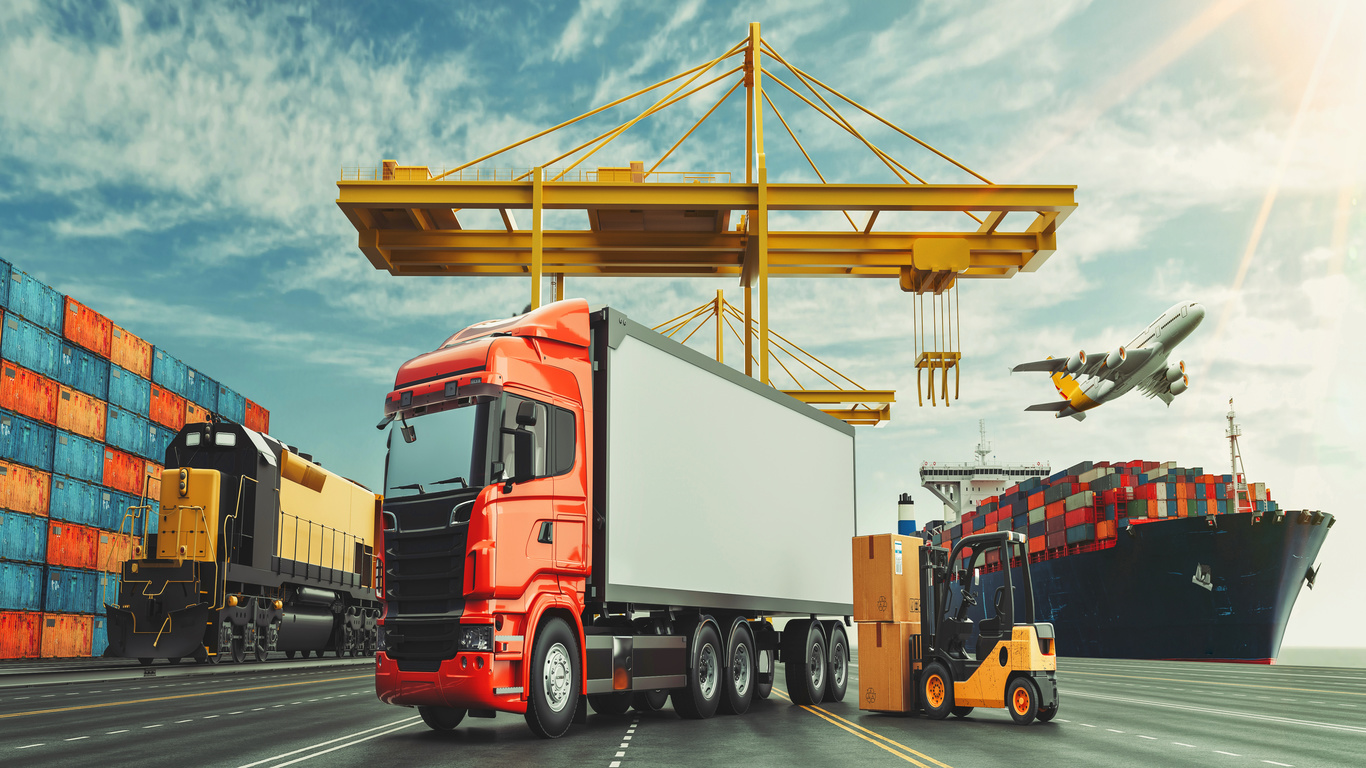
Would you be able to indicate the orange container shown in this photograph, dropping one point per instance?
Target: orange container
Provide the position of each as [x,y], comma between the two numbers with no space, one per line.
[258,418]
[168,408]
[31,394]
[1105,529]
[1035,500]
[66,635]
[87,327]
[1036,544]
[153,471]
[113,550]
[23,489]
[75,546]
[20,635]
[1055,509]
[130,353]
[194,414]
[80,413]
[123,471]
[1183,491]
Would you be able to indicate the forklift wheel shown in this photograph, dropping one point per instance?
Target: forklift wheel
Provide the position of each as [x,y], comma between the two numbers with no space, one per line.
[936,691]
[1048,713]
[1022,699]
[962,711]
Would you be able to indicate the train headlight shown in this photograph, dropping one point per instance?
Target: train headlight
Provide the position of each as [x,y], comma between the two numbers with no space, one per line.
[279,604]
[232,601]
[476,638]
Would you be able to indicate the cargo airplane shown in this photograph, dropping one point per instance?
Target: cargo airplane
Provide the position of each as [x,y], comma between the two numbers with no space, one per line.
[1085,381]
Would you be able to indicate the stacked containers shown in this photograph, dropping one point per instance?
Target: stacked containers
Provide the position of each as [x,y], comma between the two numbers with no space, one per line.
[83,432]
[887,609]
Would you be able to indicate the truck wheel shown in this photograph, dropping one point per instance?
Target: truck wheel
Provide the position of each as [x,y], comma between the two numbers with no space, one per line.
[804,661]
[936,691]
[837,677]
[441,718]
[650,701]
[1022,699]
[554,680]
[702,695]
[766,665]
[741,673]
[611,703]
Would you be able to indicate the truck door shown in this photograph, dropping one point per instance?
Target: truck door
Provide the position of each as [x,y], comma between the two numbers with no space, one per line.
[571,493]
[525,516]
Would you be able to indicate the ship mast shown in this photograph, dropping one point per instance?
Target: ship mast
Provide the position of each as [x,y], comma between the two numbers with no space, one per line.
[1235,456]
[983,447]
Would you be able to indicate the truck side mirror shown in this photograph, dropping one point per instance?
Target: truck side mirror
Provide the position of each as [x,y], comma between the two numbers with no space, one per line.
[526,414]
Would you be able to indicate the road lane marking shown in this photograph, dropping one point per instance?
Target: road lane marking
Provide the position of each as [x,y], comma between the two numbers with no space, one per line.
[621,754]
[1230,754]
[1149,738]
[158,725]
[1086,725]
[178,696]
[846,725]
[178,722]
[26,746]
[1284,765]
[1179,744]
[77,738]
[1112,730]
[1233,685]
[393,727]
[111,733]
[1226,712]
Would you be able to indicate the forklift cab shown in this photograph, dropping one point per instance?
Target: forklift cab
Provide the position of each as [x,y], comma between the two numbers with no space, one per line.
[1001,601]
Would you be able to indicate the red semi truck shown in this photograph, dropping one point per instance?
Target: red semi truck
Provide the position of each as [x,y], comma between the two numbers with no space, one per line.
[579,511]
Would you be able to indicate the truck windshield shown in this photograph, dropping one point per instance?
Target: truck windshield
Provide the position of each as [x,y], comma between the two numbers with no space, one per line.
[448,454]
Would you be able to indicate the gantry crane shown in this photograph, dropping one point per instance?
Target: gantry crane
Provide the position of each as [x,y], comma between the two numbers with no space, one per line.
[655,223]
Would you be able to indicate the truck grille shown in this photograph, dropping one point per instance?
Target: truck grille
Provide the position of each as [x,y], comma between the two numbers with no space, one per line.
[424,581]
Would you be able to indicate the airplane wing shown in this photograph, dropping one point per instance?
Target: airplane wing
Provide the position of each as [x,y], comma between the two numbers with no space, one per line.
[1051,365]
[1095,363]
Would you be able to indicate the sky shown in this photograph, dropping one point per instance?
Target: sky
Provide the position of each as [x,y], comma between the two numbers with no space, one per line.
[174,166]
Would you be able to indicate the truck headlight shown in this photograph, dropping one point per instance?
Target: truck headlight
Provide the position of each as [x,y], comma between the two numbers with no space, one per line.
[476,638]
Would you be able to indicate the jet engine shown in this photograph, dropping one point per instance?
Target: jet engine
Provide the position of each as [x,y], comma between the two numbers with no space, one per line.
[1175,371]
[1180,385]
[1075,362]
[1115,359]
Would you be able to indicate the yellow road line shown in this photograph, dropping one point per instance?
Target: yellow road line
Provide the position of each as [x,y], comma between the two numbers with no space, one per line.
[180,696]
[1210,682]
[839,722]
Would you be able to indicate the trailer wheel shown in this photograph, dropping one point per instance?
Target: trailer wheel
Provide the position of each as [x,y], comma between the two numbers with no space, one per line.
[650,701]
[615,704]
[441,718]
[700,698]
[1022,699]
[740,673]
[766,665]
[804,661]
[837,680]
[936,691]
[554,680]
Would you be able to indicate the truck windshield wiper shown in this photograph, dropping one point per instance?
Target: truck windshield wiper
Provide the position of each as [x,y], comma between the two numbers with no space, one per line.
[411,486]
[449,480]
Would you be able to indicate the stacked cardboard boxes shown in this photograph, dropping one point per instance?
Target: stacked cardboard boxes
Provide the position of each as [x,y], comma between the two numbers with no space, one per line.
[887,609]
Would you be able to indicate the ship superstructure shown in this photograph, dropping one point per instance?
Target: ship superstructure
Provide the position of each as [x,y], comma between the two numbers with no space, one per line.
[965,485]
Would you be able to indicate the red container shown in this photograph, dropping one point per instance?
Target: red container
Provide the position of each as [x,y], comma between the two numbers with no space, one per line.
[87,327]
[20,635]
[130,353]
[1036,544]
[153,481]
[1056,540]
[1054,525]
[31,394]
[168,408]
[1078,517]
[23,489]
[1036,500]
[123,471]
[80,413]
[113,550]
[66,635]
[258,418]
[194,414]
[1148,491]
[74,546]
[1056,509]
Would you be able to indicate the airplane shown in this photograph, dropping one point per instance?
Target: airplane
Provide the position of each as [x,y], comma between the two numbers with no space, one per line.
[1141,364]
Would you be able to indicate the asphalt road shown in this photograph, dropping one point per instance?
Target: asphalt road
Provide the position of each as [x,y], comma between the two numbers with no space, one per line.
[1114,713]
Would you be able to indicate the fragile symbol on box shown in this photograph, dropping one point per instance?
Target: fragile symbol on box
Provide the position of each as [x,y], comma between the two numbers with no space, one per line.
[870,696]
[882,604]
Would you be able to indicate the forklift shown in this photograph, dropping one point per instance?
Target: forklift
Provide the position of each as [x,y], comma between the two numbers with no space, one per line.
[1014,664]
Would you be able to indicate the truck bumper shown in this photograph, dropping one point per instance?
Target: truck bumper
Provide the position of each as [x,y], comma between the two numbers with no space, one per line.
[468,681]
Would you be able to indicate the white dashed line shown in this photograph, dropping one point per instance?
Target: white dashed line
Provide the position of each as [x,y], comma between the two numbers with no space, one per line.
[1063,721]
[628,738]
[158,725]
[209,717]
[27,746]
[111,733]
[614,764]
[77,738]
[1112,730]
[1086,725]
[238,712]
[1149,738]
[1230,754]
[621,754]
[257,709]
[1179,744]
[178,722]
[1284,765]
[624,745]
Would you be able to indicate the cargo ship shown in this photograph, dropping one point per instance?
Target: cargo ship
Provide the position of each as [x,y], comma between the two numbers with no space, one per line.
[1140,559]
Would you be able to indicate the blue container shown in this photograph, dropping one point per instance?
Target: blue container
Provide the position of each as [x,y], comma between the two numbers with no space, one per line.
[108,592]
[30,346]
[26,441]
[21,587]
[23,538]
[71,590]
[112,507]
[201,390]
[36,302]
[78,457]
[168,372]
[99,637]
[4,282]
[130,391]
[126,431]
[231,405]
[75,502]
[158,440]
[84,370]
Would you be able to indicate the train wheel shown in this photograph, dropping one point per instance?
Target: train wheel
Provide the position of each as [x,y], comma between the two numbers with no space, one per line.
[700,699]
[611,703]
[650,701]
[239,650]
[837,679]
[936,691]
[804,661]
[201,655]
[554,678]
[441,718]
[262,653]
[740,672]
[1022,699]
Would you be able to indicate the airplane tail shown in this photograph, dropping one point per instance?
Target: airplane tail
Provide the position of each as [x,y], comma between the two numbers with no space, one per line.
[1054,406]
[1079,416]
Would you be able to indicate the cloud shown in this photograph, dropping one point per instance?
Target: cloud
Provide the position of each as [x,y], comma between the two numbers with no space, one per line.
[591,24]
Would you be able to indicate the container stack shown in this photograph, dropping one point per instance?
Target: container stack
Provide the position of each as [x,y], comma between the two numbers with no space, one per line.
[887,609]
[87,411]
[1083,507]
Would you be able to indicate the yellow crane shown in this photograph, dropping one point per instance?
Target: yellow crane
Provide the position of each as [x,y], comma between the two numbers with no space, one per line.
[647,222]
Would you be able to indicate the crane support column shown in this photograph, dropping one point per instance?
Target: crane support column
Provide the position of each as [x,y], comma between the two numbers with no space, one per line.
[537,195]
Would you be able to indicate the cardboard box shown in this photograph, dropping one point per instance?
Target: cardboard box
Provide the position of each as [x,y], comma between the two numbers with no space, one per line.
[885,666]
[886,578]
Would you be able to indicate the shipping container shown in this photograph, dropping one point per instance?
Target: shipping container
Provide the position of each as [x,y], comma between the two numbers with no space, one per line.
[126,431]
[35,301]
[26,441]
[116,509]
[258,418]
[66,636]
[32,347]
[167,409]
[231,405]
[81,413]
[108,591]
[5,268]
[194,414]
[99,636]
[24,489]
[167,371]
[1056,540]
[76,501]
[20,631]
[71,545]
[201,390]
[87,327]
[84,370]
[123,471]
[1081,534]
[21,587]
[1079,500]
[114,550]
[129,391]
[130,353]
[28,393]
[78,457]
[158,440]
[71,590]
[23,538]
[153,482]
